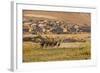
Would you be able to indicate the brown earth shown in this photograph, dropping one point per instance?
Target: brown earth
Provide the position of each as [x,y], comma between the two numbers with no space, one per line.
[73,17]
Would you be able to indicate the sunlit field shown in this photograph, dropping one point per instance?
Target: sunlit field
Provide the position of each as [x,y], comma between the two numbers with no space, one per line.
[33,52]
[56,36]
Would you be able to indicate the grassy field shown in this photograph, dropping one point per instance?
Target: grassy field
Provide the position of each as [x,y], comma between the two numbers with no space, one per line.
[32,52]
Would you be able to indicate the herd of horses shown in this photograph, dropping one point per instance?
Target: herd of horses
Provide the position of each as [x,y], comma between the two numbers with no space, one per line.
[48,42]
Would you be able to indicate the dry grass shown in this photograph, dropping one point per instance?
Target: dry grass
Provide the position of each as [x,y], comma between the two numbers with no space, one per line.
[33,52]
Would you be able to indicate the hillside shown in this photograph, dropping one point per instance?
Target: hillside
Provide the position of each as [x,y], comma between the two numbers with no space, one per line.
[73,17]
[56,22]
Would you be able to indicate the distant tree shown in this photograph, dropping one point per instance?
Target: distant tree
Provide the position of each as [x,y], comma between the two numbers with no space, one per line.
[57,29]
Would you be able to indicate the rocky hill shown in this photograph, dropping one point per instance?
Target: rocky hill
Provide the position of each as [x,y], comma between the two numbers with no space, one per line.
[56,22]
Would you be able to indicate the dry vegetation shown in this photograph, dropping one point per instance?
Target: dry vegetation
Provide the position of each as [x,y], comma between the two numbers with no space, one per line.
[32,52]
[56,36]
